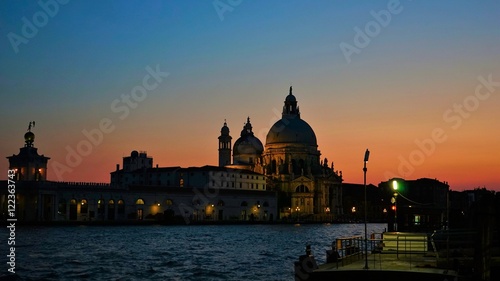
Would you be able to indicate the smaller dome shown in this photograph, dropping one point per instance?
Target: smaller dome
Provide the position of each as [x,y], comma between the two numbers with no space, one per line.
[248,144]
[134,154]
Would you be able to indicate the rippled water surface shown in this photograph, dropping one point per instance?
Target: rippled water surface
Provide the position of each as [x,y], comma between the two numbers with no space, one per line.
[215,252]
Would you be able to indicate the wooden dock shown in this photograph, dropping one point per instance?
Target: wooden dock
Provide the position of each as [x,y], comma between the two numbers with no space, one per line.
[396,256]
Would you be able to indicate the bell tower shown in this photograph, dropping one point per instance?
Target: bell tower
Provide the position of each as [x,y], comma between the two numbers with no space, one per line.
[28,165]
[224,146]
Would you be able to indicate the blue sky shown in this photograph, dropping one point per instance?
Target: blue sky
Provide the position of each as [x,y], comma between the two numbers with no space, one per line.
[239,63]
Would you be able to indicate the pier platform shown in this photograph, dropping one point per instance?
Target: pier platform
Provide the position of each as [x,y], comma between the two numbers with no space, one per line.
[392,256]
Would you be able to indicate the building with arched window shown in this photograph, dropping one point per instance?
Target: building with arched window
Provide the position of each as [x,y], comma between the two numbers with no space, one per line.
[136,192]
[291,162]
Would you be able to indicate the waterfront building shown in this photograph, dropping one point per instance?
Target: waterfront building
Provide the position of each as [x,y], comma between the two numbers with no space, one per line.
[416,205]
[138,192]
[28,165]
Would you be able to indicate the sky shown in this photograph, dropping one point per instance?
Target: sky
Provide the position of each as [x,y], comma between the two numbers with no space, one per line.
[415,82]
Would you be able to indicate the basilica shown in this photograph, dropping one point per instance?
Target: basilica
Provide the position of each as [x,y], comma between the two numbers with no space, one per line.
[291,162]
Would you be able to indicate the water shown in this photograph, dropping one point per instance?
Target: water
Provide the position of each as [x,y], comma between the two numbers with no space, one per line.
[216,252]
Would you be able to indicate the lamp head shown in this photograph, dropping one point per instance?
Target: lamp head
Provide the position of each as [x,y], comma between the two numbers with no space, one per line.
[367,155]
[395,185]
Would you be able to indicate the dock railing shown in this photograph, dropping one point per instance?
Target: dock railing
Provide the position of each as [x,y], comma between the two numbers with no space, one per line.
[405,243]
[410,247]
[346,250]
[407,246]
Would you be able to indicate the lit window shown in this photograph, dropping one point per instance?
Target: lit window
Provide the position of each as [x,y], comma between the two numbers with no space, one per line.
[139,202]
[100,206]
[417,219]
[85,206]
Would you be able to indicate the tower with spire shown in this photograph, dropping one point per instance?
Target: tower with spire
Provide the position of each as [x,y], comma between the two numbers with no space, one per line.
[224,146]
[28,165]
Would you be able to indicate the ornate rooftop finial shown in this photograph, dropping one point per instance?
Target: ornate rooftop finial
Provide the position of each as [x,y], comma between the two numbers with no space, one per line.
[32,124]
[290,90]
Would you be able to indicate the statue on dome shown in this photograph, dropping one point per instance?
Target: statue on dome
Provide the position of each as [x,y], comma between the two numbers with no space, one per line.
[32,124]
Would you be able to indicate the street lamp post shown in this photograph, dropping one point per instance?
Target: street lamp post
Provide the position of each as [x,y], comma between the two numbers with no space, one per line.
[367,155]
[394,200]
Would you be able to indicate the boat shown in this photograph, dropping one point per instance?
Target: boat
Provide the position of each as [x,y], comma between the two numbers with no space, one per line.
[441,255]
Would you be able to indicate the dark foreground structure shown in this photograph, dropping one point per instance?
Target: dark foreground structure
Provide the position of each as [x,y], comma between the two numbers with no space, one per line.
[468,253]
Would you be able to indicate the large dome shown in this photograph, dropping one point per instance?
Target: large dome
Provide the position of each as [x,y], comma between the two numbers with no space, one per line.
[291,130]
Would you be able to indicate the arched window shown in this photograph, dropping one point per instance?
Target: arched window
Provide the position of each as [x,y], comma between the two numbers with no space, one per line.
[85,206]
[73,209]
[302,188]
[121,207]
[100,206]
[139,202]
[273,166]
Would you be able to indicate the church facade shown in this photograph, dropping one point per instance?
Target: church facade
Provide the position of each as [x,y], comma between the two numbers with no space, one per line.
[306,186]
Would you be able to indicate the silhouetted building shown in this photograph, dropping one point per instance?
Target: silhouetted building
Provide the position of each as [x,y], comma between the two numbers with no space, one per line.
[353,203]
[290,159]
[137,192]
[416,205]
[28,165]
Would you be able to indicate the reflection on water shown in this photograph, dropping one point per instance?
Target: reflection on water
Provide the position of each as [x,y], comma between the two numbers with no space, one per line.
[217,252]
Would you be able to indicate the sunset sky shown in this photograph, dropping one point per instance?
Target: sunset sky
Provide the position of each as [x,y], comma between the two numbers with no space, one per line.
[415,82]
